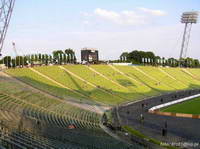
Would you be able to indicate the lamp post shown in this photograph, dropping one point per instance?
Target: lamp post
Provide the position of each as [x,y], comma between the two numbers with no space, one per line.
[188,18]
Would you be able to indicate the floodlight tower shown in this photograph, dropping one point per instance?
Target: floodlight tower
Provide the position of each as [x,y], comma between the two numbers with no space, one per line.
[188,18]
[6,8]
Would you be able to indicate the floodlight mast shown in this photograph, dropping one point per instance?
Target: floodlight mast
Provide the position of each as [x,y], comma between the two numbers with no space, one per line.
[188,18]
[6,9]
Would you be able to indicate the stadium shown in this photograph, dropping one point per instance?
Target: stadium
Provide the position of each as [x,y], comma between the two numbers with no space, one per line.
[55,102]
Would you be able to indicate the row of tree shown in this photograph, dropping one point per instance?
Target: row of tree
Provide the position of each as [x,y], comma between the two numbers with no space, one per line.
[58,57]
[149,58]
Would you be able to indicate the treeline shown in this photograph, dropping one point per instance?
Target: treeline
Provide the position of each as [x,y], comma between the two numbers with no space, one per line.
[58,57]
[149,58]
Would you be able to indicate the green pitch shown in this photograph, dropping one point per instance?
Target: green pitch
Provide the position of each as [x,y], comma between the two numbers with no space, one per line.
[188,107]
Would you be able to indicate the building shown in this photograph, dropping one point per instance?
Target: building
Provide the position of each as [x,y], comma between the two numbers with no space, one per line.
[89,55]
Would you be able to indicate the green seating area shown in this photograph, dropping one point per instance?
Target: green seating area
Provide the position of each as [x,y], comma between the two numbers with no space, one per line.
[63,117]
[133,88]
[16,101]
[183,77]
[19,99]
[53,87]
[84,72]
[143,79]
[195,73]
[25,139]
[161,76]
[22,140]
[88,90]
[42,83]
[104,84]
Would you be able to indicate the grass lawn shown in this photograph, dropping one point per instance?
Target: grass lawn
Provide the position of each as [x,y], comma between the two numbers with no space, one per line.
[188,107]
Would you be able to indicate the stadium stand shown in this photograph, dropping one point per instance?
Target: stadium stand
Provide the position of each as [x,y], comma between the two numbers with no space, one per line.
[53,123]
[36,121]
[95,88]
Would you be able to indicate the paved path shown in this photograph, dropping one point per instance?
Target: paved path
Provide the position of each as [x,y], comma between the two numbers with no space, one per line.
[179,129]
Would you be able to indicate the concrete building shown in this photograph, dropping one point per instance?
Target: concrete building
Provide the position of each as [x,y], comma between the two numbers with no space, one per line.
[89,55]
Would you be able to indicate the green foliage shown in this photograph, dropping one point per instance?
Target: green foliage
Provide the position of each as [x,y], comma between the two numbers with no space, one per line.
[140,135]
[136,56]
[142,57]
[123,56]
[71,55]
[7,61]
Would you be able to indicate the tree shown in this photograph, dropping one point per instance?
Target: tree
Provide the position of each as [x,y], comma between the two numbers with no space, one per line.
[19,61]
[56,56]
[70,55]
[32,59]
[40,57]
[7,61]
[123,57]
[36,58]
[13,61]
[46,59]
[50,59]
[25,61]
[136,57]
[1,61]
[43,59]
[196,63]
[65,58]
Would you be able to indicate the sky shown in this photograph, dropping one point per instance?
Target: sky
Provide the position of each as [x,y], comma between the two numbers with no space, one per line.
[111,26]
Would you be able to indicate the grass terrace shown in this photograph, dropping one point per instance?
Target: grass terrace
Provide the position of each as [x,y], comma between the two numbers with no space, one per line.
[90,91]
[155,87]
[160,76]
[135,90]
[41,83]
[105,84]
[194,73]
[183,77]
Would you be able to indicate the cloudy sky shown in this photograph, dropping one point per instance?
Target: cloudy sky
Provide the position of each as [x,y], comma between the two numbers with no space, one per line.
[111,26]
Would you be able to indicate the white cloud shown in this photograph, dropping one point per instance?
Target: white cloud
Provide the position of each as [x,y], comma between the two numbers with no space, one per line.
[122,18]
[140,16]
[110,15]
[153,12]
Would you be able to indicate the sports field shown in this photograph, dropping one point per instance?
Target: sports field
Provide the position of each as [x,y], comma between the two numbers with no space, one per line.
[188,107]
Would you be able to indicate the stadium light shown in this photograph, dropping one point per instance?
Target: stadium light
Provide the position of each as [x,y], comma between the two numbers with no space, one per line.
[188,18]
